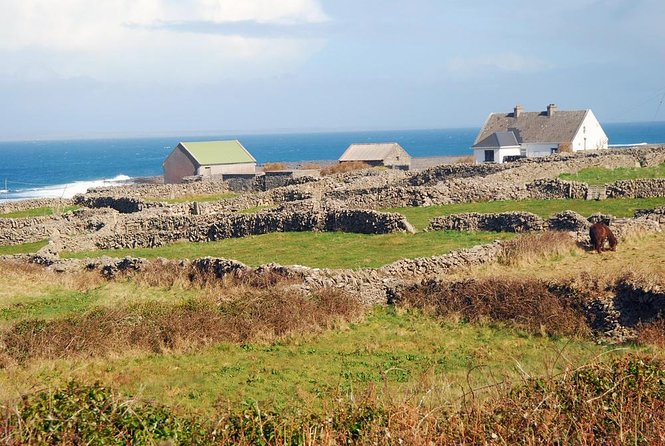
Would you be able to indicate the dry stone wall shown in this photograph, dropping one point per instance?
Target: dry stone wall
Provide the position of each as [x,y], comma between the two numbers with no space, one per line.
[21,205]
[642,188]
[135,231]
[500,222]
[162,191]
[466,190]
[26,230]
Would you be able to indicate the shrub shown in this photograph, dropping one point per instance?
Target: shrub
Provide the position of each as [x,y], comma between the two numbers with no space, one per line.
[240,315]
[527,304]
[344,167]
[275,166]
[468,159]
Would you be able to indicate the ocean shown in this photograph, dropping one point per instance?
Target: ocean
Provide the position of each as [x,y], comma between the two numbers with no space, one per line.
[62,168]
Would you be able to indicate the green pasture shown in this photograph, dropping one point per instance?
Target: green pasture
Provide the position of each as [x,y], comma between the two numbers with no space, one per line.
[315,249]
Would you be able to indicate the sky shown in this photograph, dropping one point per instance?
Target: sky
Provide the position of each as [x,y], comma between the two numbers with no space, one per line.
[91,68]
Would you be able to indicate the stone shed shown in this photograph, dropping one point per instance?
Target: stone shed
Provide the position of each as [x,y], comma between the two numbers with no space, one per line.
[208,159]
[390,155]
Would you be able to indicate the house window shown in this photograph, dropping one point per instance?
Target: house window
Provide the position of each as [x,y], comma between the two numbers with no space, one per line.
[554,150]
[489,156]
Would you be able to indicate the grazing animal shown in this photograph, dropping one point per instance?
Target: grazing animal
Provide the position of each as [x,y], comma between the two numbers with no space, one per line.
[599,233]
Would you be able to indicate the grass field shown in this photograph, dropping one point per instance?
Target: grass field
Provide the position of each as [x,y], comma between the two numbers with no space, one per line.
[395,357]
[598,175]
[37,212]
[23,248]
[400,351]
[619,207]
[315,249]
[189,198]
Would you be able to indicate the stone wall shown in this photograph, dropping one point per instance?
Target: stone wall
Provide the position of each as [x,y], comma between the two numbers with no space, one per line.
[642,188]
[162,191]
[500,222]
[444,172]
[148,231]
[124,205]
[28,230]
[14,231]
[466,190]
[526,221]
[281,178]
[22,205]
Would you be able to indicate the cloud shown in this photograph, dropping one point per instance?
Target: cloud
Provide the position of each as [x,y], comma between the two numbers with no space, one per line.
[127,40]
[504,62]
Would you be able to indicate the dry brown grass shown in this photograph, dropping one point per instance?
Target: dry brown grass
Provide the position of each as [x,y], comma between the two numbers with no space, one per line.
[275,166]
[241,315]
[526,304]
[311,166]
[469,159]
[23,278]
[536,246]
[344,167]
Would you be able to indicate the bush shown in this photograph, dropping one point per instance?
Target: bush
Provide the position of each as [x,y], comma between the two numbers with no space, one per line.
[274,166]
[528,304]
[347,166]
[242,315]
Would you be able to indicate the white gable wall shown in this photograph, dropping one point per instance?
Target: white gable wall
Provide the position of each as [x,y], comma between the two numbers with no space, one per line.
[499,153]
[590,135]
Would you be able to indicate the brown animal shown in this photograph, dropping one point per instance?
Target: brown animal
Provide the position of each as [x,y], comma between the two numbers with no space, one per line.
[599,233]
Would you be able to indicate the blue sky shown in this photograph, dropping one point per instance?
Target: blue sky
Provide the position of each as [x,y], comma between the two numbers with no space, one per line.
[147,67]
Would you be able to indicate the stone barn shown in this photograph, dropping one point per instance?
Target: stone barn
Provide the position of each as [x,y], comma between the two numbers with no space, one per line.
[208,159]
[390,155]
[520,134]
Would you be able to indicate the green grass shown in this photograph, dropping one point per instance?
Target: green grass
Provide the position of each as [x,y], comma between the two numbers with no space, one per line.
[190,198]
[23,248]
[315,249]
[619,207]
[37,212]
[599,175]
[44,301]
[255,209]
[401,352]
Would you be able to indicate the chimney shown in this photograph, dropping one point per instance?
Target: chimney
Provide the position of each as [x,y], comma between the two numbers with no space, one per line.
[517,111]
[551,109]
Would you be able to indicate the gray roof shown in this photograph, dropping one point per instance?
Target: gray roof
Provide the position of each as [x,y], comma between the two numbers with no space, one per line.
[499,139]
[535,127]
[370,152]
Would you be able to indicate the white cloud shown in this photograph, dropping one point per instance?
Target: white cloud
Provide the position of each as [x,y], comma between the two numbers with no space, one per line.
[113,39]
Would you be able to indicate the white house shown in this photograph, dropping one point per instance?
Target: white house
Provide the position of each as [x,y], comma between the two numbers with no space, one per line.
[209,159]
[507,136]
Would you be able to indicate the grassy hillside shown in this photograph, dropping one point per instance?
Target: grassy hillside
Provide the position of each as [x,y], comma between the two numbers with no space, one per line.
[316,249]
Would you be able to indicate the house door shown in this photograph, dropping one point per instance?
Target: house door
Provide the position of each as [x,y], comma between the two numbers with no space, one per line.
[489,156]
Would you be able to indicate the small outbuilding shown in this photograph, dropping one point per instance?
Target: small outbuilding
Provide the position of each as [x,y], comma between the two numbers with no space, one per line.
[520,134]
[390,155]
[208,159]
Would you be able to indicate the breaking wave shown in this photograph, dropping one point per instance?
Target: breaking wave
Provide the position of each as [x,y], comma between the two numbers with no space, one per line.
[67,190]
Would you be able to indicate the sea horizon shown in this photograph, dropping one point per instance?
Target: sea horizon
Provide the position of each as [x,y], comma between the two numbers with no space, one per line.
[54,168]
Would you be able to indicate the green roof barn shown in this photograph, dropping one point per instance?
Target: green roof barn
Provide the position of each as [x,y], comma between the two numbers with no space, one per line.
[208,159]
